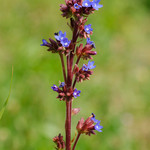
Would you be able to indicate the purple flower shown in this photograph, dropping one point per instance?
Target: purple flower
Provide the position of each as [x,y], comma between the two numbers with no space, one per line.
[60,36]
[44,42]
[65,42]
[62,84]
[86,3]
[54,88]
[88,28]
[95,4]
[90,65]
[76,6]
[76,93]
[90,42]
[97,127]
[85,67]
[95,120]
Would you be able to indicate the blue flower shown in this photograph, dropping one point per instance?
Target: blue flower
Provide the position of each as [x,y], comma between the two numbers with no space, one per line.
[60,36]
[62,84]
[90,65]
[88,28]
[95,120]
[54,88]
[76,93]
[90,42]
[76,6]
[85,67]
[95,4]
[44,42]
[65,42]
[97,126]
[86,3]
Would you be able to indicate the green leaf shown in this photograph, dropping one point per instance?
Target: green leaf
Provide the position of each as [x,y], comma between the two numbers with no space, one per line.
[6,101]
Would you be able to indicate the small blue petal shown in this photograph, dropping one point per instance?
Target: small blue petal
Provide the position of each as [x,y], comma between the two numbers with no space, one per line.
[95,4]
[76,6]
[88,28]
[44,42]
[62,84]
[60,36]
[76,93]
[54,88]
[85,67]
[65,42]
[90,42]
[95,120]
[86,3]
[98,127]
[91,65]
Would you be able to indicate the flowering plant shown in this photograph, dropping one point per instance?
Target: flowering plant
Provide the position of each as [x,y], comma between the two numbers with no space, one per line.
[77,11]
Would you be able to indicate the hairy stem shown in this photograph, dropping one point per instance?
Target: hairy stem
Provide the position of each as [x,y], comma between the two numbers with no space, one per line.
[75,143]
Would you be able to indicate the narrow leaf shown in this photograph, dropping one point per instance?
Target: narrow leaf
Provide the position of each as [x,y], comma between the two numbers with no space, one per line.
[6,101]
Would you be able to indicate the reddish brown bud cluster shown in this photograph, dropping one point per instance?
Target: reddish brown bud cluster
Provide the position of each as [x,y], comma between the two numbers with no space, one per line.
[69,9]
[65,94]
[80,23]
[56,47]
[58,140]
[85,52]
[53,46]
[82,33]
[86,126]
[82,75]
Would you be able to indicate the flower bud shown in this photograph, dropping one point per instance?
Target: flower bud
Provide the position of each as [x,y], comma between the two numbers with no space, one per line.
[75,111]
[58,140]
[79,49]
[76,69]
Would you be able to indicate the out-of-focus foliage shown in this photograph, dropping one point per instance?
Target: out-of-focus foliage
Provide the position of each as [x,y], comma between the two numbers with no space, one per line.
[118,92]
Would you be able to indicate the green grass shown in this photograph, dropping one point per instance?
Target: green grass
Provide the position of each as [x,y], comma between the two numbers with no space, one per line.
[118,92]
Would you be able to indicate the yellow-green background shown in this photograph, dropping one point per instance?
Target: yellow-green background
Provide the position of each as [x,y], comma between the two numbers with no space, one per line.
[118,92]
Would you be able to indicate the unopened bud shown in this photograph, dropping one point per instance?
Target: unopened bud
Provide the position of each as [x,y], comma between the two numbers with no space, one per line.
[75,111]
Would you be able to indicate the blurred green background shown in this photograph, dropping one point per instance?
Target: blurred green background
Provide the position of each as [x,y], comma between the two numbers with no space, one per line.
[118,92]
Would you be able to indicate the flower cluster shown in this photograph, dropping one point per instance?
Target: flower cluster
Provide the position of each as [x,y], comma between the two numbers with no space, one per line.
[79,7]
[94,4]
[61,45]
[64,93]
[62,39]
[85,72]
[88,126]
[86,51]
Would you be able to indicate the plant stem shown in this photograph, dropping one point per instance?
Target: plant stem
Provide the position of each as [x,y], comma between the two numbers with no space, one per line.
[75,143]
[63,66]
[74,83]
[70,58]
[68,125]
[75,80]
